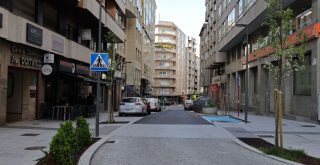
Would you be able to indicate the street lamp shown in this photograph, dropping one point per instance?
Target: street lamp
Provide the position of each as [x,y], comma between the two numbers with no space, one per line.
[247,72]
[125,81]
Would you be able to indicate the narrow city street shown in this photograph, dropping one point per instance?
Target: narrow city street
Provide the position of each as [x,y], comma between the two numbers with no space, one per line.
[175,137]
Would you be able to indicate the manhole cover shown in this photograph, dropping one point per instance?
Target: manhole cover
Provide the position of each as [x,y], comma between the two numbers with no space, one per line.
[308,126]
[36,148]
[266,136]
[30,134]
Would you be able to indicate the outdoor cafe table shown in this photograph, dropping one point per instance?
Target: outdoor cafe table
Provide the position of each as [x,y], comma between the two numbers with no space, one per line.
[61,108]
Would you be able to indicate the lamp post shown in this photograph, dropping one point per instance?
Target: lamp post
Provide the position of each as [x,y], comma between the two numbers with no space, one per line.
[125,81]
[247,72]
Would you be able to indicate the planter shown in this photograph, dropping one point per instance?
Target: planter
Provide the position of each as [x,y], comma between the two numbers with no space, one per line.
[210,110]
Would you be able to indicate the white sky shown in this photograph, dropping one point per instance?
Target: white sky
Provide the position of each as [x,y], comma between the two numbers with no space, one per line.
[188,15]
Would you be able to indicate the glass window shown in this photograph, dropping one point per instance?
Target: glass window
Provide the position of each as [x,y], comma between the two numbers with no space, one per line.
[231,18]
[240,8]
[219,11]
[302,79]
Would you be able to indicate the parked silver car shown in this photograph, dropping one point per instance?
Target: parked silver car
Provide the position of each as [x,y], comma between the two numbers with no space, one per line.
[132,105]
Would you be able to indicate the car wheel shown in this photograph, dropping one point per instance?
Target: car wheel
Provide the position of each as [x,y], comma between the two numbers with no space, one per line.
[120,114]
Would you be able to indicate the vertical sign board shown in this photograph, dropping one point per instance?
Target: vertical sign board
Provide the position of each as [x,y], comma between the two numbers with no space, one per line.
[34,35]
[99,62]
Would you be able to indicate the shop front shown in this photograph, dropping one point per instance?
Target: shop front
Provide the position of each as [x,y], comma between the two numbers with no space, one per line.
[23,82]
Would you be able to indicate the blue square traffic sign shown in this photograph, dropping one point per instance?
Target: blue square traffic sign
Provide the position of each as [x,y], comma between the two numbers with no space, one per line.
[99,62]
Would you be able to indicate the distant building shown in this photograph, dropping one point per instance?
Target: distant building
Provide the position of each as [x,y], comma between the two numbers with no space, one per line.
[170,57]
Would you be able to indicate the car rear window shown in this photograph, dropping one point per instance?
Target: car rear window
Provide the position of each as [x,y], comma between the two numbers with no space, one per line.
[129,100]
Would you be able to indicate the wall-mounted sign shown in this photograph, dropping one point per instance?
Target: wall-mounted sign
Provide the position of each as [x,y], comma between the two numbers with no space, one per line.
[46,69]
[48,58]
[57,43]
[0,20]
[34,35]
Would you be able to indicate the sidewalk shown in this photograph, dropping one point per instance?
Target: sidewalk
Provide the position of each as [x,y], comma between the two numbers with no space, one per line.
[296,135]
[16,137]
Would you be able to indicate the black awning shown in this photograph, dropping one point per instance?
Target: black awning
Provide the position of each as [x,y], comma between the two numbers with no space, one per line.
[90,80]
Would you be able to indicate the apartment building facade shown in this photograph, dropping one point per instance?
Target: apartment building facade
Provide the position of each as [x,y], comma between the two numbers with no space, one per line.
[45,50]
[300,91]
[192,67]
[140,46]
[170,57]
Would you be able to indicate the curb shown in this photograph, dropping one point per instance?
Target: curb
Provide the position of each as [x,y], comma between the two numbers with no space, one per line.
[86,157]
[248,147]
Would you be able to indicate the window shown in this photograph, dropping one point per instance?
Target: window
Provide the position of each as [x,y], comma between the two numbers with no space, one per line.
[255,80]
[302,79]
[240,8]
[231,18]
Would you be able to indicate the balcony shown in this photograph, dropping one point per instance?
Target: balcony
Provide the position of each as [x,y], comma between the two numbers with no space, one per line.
[172,59]
[165,67]
[157,85]
[165,50]
[164,76]
[171,33]
[312,31]
[166,41]
[107,19]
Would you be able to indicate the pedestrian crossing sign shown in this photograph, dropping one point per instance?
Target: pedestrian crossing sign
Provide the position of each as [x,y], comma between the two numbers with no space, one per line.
[99,62]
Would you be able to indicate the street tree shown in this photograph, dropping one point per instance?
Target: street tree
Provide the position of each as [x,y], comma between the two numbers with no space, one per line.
[287,53]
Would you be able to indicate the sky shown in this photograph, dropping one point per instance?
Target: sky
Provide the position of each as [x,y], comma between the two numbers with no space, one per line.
[188,15]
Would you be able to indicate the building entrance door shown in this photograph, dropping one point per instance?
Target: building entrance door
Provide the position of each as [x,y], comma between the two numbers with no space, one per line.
[21,95]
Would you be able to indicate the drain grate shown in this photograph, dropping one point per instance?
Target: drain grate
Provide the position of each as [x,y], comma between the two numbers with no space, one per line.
[30,134]
[308,126]
[36,148]
[266,136]
[110,141]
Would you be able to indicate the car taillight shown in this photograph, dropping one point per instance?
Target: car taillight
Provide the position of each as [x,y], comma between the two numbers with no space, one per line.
[122,103]
[138,103]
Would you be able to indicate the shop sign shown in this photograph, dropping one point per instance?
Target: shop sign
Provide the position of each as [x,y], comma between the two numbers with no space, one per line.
[0,20]
[83,70]
[46,69]
[66,66]
[57,43]
[26,61]
[24,57]
[34,35]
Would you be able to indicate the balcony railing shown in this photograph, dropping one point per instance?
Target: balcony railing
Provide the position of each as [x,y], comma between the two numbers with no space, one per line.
[312,31]
[166,67]
[165,59]
[164,76]
[165,50]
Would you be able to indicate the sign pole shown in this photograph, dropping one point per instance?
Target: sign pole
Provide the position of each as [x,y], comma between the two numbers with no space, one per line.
[99,76]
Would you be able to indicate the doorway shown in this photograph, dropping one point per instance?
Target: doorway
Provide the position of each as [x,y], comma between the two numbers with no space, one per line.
[21,95]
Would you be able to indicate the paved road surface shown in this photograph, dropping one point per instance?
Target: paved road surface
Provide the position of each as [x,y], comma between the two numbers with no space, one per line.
[175,137]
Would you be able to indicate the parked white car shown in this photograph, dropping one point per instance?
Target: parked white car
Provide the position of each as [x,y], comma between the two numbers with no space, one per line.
[132,105]
[154,104]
